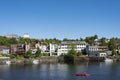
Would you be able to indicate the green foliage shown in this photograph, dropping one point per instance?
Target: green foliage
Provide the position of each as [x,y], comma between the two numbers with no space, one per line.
[114,52]
[12,56]
[4,41]
[81,39]
[13,41]
[69,58]
[72,54]
[45,54]
[38,53]
[72,50]
[29,54]
[112,44]
[103,42]
[90,40]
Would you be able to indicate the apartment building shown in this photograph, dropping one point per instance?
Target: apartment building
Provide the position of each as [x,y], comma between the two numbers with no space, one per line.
[96,51]
[64,47]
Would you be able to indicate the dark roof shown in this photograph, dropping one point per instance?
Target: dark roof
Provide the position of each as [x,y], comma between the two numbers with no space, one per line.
[72,42]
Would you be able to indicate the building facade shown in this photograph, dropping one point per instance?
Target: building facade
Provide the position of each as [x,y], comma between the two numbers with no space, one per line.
[64,47]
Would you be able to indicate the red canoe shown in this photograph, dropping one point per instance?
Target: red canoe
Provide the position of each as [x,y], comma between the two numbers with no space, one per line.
[84,75]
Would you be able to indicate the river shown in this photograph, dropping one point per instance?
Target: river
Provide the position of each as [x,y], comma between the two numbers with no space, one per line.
[60,71]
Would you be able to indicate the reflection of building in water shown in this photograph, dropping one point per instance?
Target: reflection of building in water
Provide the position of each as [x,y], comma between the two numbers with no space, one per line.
[104,64]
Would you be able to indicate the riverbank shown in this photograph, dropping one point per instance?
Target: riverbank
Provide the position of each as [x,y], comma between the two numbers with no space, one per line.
[50,60]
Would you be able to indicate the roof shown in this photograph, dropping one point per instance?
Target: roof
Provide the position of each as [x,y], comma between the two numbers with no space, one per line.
[72,42]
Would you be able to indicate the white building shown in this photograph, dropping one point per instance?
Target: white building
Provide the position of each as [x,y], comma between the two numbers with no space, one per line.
[26,35]
[65,46]
[42,47]
[53,49]
[12,36]
[93,51]
[102,55]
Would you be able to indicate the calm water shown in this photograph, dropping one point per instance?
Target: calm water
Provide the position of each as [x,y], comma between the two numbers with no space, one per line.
[98,71]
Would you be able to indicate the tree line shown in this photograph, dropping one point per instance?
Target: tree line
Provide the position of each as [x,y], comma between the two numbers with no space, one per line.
[112,43]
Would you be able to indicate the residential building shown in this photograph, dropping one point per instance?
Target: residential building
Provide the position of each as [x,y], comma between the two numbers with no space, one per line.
[13,49]
[4,50]
[64,47]
[97,42]
[103,48]
[96,51]
[92,51]
[20,50]
[17,49]
[26,35]
[102,55]
[42,46]
[12,36]
[53,49]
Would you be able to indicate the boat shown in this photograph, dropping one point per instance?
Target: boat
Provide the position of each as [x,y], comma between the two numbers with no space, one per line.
[8,62]
[108,60]
[35,61]
[83,75]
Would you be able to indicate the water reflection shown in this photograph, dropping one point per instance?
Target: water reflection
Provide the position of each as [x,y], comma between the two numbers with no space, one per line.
[57,71]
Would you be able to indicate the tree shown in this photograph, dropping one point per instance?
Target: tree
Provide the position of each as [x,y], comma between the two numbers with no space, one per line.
[112,44]
[29,54]
[65,39]
[81,39]
[90,40]
[103,42]
[72,50]
[95,36]
[13,41]
[38,53]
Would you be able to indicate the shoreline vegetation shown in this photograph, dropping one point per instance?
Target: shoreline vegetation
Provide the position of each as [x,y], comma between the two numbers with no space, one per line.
[49,59]
[29,50]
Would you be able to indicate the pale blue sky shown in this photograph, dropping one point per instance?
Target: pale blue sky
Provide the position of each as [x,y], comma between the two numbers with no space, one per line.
[60,18]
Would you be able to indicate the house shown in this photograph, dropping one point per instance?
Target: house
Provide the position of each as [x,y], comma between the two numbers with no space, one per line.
[20,50]
[92,51]
[42,46]
[26,35]
[64,47]
[4,50]
[102,48]
[17,49]
[97,42]
[53,49]
[12,36]
[33,49]
[102,55]
[96,51]
[13,49]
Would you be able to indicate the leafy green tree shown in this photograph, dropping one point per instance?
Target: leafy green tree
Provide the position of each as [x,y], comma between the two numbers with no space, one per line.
[95,36]
[13,41]
[38,53]
[112,44]
[65,39]
[29,54]
[90,40]
[81,39]
[103,42]
[72,50]
[4,41]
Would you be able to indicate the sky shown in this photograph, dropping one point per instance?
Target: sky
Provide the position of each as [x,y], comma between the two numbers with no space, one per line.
[60,18]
